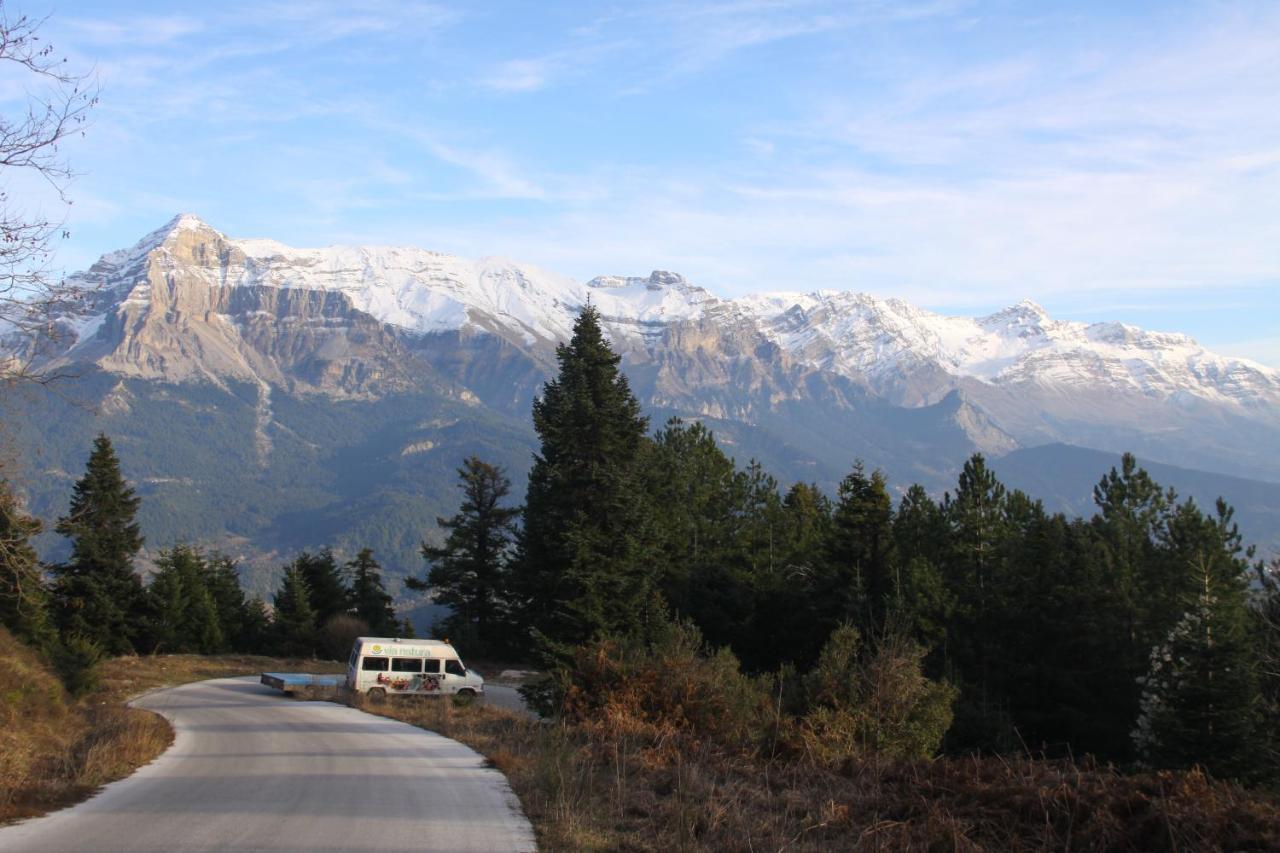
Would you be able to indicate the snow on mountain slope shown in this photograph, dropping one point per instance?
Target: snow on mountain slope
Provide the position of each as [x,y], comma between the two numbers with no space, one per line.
[885,343]
[859,335]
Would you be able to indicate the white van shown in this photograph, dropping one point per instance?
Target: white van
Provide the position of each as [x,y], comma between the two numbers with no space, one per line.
[386,666]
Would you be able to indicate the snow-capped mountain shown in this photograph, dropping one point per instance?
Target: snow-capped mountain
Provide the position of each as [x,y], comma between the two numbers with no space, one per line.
[187,302]
[264,390]
[882,342]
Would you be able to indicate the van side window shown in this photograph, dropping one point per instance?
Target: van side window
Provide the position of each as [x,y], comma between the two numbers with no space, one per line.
[374,664]
[431,666]
[454,667]
[406,665]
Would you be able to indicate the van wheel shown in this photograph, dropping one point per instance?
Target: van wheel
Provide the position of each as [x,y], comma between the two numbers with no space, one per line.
[464,697]
[377,695]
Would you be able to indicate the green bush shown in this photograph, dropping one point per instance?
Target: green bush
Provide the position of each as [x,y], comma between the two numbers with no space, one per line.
[876,700]
[76,660]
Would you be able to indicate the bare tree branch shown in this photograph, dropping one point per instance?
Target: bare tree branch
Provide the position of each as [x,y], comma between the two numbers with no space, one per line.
[30,294]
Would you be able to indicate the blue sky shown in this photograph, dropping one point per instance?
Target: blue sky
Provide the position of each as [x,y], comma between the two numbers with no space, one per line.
[1108,160]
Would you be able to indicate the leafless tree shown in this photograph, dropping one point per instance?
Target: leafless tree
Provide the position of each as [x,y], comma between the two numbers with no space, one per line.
[58,103]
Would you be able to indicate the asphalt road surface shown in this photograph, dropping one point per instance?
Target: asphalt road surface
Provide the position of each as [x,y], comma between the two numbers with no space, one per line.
[252,770]
[506,698]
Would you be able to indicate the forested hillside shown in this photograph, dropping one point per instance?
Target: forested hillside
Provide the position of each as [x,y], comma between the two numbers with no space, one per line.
[1045,625]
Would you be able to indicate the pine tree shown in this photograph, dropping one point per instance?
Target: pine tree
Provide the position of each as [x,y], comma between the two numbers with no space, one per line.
[1133,595]
[24,600]
[369,600]
[1143,589]
[240,620]
[166,610]
[920,527]
[1200,697]
[256,631]
[978,525]
[97,596]
[1266,633]
[692,491]
[294,623]
[861,559]
[581,569]
[326,584]
[185,615]
[718,534]
[469,572]
[807,526]
[978,528]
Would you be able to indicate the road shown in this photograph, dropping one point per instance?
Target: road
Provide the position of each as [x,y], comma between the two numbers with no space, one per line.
[506,698]
[252,770]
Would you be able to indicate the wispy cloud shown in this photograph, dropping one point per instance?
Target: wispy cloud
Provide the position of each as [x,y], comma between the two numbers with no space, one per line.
[519,75]
[960,153]
[144,30]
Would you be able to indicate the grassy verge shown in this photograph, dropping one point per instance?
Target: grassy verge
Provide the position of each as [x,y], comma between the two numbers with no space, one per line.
[55,752]
[615,787]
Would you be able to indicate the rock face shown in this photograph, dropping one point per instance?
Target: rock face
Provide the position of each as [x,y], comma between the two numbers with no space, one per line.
[175,309]
[320,368]
[188,303]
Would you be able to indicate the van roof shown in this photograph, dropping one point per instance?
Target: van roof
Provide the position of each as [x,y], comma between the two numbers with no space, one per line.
[391,641]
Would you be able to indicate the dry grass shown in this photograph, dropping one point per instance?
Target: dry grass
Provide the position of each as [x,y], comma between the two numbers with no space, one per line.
[600,788]
[55,752]
[607,786]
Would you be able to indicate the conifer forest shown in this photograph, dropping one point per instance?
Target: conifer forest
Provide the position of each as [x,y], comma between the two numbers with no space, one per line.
[1147,634]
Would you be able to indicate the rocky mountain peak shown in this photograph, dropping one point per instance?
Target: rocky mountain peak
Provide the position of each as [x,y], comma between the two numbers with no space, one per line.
[188,302]
[664,278]
[1026,316]
[183,228]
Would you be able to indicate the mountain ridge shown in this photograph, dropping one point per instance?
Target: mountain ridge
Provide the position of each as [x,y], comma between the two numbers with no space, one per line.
[268,398]
[791,318]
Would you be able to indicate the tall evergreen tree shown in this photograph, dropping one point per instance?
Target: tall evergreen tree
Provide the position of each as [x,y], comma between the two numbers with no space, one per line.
[470,572]
[691,487]
[370,602]
[1145,593]
[582,569]
[923,603]
[861,553]
[1132,596]
[96,594]
[24,600]
[1200,698]
[979,527]
[185,616]
[1266,638]
[788,597]
[807,525]
[326,584]
[242,621]
[294,622]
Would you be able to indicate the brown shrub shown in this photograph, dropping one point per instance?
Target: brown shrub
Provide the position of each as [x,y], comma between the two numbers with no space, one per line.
[873,703]
[670,689]
[596,785]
